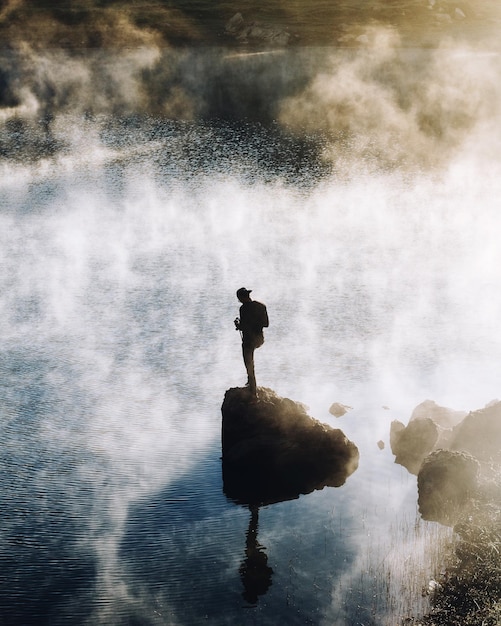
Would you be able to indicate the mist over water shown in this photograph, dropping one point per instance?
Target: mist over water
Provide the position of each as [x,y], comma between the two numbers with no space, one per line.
[354,192]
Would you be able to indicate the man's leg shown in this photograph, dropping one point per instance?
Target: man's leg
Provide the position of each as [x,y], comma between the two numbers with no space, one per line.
[248,353]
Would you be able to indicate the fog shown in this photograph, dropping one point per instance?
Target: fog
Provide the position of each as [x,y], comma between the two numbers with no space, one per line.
[355,191]
[380,104]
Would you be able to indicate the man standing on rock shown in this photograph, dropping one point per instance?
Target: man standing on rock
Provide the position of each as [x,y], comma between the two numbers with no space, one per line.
[253,318]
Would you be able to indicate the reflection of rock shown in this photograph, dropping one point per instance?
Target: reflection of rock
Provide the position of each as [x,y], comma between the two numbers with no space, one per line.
[256,32]
[430,427]
[446,481]
[273,450]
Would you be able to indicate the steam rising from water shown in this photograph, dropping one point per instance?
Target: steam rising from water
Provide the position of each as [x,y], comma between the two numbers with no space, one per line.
[122,243]
[401,106]
[384,104]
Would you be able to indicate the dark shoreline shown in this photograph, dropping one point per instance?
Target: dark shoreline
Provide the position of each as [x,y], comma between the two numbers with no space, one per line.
[94,24]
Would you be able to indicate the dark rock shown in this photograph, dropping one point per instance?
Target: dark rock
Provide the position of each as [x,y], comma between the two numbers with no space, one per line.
[273,450]
[480,434]
[446,482]
[412,443]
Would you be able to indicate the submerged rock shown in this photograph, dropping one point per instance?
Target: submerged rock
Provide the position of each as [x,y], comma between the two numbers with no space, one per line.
[273,450]
[446,482]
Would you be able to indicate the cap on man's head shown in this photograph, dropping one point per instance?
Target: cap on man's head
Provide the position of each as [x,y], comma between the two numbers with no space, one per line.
[243,292]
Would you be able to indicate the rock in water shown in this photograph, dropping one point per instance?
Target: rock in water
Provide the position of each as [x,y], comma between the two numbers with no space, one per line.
[441,415]
[235,24]
[338,410]
[429,428]
[410,444]
[480,434]
[446,482]
[273,450]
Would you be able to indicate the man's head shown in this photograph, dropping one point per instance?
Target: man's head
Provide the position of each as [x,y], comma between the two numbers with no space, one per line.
[243,294]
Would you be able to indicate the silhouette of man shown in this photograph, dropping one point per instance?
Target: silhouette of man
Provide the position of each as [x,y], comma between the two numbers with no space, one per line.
[253,318]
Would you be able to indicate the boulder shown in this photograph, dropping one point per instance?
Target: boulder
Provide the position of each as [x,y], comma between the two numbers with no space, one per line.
[235,24]
[480,434]
[430,427]
[412,443]
[446,482]
[338,410]
[441,415]
[273,450]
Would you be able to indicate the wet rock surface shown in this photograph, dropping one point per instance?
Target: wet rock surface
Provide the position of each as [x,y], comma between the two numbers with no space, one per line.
[273,450]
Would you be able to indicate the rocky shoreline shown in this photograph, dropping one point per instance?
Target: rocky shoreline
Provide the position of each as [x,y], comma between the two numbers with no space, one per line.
[457,459]
[78,25]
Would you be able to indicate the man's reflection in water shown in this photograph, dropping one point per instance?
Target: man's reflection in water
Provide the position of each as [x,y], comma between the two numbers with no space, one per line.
[254,570]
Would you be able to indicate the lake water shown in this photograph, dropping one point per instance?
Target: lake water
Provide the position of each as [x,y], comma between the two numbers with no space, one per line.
[374,243]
